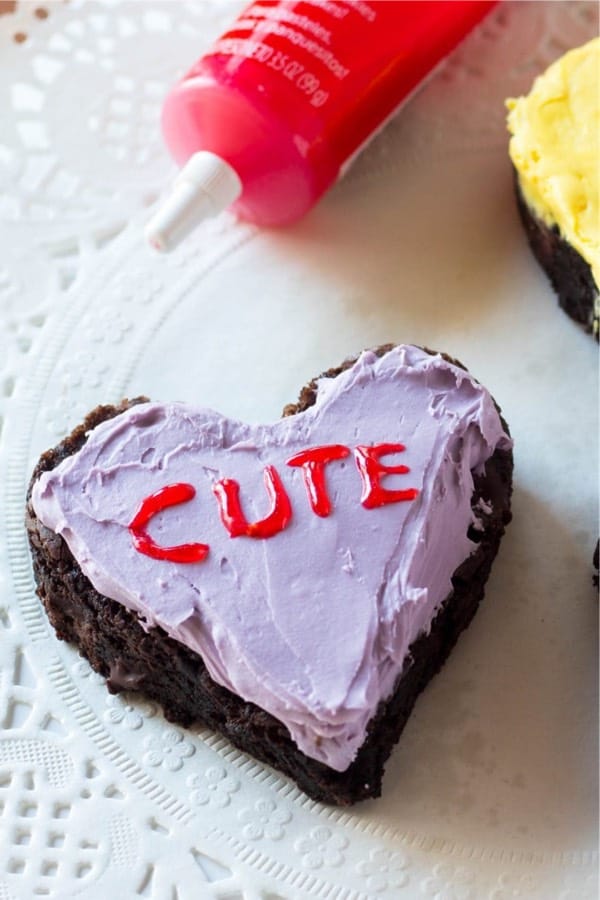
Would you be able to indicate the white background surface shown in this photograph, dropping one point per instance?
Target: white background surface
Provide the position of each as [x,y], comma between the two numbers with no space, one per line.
[492,790]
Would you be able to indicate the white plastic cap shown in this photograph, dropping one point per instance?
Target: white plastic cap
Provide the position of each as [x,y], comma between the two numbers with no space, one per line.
[204,187]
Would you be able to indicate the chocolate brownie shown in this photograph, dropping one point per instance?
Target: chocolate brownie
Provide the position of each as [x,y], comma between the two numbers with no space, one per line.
[134,658]
[570,275]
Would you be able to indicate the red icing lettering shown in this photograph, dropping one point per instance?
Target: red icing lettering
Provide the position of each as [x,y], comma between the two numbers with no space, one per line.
[171,495]
[313,462]
[372,471]
[227,492]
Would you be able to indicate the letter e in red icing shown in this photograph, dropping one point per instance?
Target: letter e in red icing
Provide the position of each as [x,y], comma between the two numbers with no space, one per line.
[372,471]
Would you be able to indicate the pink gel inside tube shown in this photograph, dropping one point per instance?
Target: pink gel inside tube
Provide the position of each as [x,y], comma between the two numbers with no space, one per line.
[278,107]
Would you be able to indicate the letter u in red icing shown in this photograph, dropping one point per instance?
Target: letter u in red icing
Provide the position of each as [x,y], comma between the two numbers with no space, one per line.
[170,495]
[372,471]
[227,492]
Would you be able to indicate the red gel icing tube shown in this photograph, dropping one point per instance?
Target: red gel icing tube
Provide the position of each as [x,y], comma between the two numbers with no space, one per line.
[278,107]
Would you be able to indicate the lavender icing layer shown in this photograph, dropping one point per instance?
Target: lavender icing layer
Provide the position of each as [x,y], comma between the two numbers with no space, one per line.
[313,624]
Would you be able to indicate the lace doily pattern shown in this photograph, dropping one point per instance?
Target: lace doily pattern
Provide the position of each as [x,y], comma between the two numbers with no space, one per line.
[98,794]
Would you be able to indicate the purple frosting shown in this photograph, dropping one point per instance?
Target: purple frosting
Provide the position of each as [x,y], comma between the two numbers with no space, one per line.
[313,624]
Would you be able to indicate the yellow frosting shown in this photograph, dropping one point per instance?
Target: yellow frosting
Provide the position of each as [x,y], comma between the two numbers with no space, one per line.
[554,147]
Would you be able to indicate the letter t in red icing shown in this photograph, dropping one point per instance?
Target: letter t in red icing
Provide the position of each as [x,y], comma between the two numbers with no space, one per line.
[313,462]
[372,471]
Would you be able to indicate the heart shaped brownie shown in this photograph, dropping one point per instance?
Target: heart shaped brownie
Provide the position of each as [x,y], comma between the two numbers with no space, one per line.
[300,561]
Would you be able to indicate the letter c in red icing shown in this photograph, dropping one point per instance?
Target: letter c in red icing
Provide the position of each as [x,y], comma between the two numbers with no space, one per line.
[170,495]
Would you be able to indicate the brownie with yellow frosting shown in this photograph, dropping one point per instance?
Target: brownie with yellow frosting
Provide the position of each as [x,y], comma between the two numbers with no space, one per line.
[554,148]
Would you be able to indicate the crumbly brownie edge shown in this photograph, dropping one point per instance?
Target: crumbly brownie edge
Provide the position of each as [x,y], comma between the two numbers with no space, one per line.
[569,273]
[161,669]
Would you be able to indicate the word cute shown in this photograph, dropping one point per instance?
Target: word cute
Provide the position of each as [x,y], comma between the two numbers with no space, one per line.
[313,463]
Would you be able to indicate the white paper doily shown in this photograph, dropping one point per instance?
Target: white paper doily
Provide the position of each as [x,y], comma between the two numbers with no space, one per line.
[492,791]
